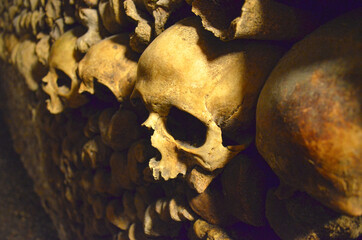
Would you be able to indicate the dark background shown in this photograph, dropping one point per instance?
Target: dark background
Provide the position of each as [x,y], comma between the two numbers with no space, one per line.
[21,214]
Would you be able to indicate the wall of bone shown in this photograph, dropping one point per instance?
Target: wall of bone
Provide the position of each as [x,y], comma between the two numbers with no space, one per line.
[188,119]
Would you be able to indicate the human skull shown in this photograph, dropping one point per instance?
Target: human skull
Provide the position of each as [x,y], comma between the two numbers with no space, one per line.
[61,83]
[112,63]
[309,118]
[26,61]
[199,92]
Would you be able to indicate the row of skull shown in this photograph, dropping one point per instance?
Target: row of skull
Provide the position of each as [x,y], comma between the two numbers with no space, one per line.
[213,100]
[201,96]
[146,19]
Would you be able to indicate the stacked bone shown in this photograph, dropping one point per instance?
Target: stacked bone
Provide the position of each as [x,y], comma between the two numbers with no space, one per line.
[198,174]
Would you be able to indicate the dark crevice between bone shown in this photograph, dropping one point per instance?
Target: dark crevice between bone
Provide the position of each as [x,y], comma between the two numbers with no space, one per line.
[156,154]
[186,128]
[232,137]
[138,106]
[103,93]
[152,151]
[227,141]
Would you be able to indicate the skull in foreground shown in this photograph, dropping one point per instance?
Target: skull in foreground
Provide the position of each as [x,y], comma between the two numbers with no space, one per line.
[309,119]
[201,95]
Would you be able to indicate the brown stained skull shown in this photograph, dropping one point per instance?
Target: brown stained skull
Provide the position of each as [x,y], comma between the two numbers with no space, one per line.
[61,83]
[199,92]
[309,118]
[111,63]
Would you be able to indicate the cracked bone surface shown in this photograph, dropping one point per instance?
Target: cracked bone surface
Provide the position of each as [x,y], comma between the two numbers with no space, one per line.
[309,116]
[61,83]
[89,18]
[161,11]
[111,63]
[142,35]
[254,19]
[151,19]
[200,91]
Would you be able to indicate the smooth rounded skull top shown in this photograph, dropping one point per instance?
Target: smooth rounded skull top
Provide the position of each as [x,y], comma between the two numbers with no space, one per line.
[309,116]
[201,95]
[61,83]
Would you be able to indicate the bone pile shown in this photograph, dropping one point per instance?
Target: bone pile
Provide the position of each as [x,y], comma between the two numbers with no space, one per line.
[195,119]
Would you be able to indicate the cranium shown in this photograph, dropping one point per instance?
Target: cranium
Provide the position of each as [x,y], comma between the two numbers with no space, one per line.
[309,118]
[112,63]
[200,92]
[27,62]
[61,83]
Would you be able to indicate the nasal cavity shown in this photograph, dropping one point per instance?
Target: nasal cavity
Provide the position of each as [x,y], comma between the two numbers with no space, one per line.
[186,128]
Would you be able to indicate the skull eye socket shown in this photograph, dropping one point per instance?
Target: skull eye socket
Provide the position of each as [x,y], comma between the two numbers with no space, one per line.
[186,128]
[63,79]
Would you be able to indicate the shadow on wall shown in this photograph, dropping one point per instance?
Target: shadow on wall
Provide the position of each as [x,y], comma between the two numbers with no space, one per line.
[21,214]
